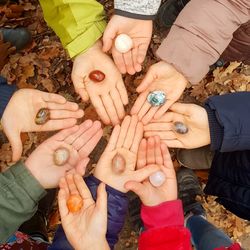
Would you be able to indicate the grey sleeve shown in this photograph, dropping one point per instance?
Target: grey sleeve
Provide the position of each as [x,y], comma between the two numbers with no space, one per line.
[138,9]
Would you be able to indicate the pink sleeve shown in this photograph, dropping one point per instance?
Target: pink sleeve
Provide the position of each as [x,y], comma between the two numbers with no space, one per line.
[201,33]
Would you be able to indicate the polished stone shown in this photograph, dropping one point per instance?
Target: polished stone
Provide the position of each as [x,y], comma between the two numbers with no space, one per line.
[156,98]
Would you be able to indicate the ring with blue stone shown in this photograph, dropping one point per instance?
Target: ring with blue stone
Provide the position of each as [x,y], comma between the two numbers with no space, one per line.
[156,98]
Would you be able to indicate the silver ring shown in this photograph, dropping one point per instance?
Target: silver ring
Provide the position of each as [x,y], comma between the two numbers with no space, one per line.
[156,98]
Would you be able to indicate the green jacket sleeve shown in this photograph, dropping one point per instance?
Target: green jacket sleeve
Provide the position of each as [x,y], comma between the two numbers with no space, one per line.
[19,196]
[78,23]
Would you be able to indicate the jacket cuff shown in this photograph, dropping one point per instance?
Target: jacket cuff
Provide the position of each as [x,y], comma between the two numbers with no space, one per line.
[27,181]
[166,214]
[90,36]
[216,130]
[142,9]
[6,92]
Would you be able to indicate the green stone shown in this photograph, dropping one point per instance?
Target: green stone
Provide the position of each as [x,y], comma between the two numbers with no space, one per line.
[156,98]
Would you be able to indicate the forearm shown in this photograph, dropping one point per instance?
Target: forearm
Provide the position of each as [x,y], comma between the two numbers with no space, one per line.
[138,9]
[79,24]
[196,41]
[6,92]
[19,195]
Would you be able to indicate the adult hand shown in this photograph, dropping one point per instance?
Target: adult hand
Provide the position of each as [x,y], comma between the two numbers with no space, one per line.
[152,151]
[79,140]
[161,76]
[140,31]
[125,141]
[87,228]
[193,116]
[19,115]
[108,96]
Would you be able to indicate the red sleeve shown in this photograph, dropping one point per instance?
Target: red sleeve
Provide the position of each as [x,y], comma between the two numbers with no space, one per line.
[235,246]
[164,227]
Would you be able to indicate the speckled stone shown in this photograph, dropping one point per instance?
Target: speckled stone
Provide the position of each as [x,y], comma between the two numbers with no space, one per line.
[156,98]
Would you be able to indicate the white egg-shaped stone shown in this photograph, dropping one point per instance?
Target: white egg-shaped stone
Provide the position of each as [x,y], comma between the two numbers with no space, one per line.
[61,156]
[157,178]
[123,43]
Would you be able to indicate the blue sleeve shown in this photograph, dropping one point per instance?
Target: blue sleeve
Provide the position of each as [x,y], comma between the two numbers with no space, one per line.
[229,121]
[6,92]
[117,210]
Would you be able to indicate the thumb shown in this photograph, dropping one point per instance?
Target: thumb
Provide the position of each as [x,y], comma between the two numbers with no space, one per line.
[182,108]
[143,173]
[16,145]
[81,166]
[148,79]
[136,187]
[101,201]
[84,94]
[108,37]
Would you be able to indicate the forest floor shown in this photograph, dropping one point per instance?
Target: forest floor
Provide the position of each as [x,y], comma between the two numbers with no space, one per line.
[46,66]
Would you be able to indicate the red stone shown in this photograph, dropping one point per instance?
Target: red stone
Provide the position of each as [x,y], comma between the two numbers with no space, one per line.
[96,76]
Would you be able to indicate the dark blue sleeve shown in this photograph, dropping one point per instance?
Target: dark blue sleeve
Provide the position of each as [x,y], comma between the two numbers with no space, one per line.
[229,121]
[6,92]
[117,209]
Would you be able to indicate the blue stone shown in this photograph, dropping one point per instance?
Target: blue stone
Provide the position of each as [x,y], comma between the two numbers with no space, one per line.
[156,98]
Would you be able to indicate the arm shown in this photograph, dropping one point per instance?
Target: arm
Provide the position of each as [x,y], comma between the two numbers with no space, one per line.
[229,122]
[19,195]
[196,41]
[161,220]
[79,24]
[6,92]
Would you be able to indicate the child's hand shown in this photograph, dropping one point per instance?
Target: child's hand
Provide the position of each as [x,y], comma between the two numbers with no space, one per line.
[19,115]
[152,151]
[125,140]
[79,140]
[160,76]
[85,229]
[140,31]
[109,96]
[193,116]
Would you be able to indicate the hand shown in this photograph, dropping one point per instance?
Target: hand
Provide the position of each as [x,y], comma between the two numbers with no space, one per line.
[152,151]
[19,115]
[161,76]
[87,228]
[109,96]
[79,140]
[193,116]
[124,140]
[140,31]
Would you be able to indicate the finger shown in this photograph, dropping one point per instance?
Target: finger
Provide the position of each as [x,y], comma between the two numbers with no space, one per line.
[142,154]
[158,126]
[64,185]
[48,97]
[167,117]
[62,203]
[63,134]
[151,151]
[81,166]
[112,144]
[97,103]
[81,129]
[66,106]
[142,51]
[119,61]
[136,187]
[83,93]
[167,161]
[137,138]
[174,143]
[63,114]
[71,184]
[52,125]
[129,138]
[145,108]
[102,200]
[16,145]
[122,91]
[182,108]
[149,115]
[110,108]
[148,79]
[137,65]
[91,144]
[158,151]
[143,173]
[116,98]
[139,103]
[83,190]
[108,38]
[162,110]
[123,132]
[164,135]
[86,135]
[129,62]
